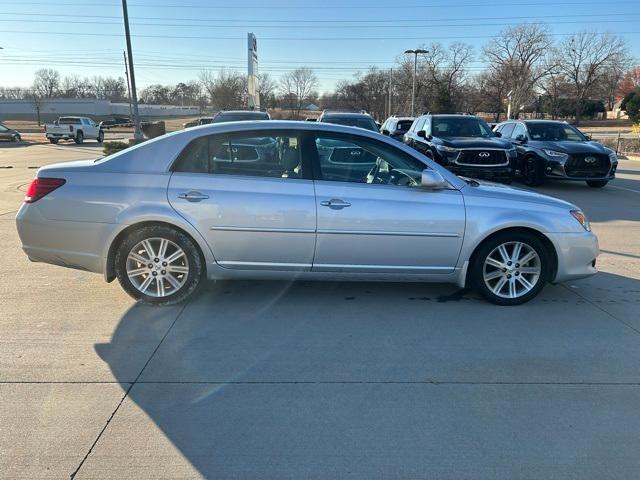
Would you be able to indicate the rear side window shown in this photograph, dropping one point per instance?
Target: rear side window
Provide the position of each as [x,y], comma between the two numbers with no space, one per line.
[263,154]
[404,125]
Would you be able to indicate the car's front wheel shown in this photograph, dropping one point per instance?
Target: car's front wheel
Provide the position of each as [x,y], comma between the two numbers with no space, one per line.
[510,268]
[79,138]
[597,183]
[159,265]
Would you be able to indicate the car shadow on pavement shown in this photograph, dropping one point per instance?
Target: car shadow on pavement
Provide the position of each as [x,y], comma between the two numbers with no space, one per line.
[305,379]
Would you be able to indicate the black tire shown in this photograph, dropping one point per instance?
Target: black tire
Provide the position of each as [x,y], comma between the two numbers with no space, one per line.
[79,138]
[54,141]
[597,183]
[192,252]
[476,277]
[531,172]
[17,138]
[100,136]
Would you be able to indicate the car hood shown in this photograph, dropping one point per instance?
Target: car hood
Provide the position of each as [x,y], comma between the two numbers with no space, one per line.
[499,191]
[572,147]
[476,142]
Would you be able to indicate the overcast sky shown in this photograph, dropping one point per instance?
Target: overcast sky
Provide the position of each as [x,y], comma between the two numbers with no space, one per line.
[175,39]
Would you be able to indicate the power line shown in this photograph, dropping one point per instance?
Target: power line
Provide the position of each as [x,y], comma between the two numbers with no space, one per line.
[388,25]
[263,38]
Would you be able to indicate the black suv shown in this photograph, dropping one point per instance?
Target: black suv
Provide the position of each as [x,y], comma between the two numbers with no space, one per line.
[463,144]
[551,149]
[350,119]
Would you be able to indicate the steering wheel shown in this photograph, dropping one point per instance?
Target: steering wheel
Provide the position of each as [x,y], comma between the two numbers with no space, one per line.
[402,179]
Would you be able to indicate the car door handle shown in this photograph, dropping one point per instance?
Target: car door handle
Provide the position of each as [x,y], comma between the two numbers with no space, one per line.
[335,204]
[193,196]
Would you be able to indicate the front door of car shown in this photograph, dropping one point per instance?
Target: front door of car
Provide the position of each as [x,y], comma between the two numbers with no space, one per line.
[248,195]
[383,222]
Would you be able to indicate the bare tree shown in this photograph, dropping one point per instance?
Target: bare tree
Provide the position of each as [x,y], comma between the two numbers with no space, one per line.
[446,74]
[520,56]
[266,89]
[584,58]
[227,90]
[46,83]
[297,86]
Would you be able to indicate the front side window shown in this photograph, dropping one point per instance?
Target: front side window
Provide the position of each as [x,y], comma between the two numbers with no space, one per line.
[519,130]
[349,158]
[264,154]
[507,130]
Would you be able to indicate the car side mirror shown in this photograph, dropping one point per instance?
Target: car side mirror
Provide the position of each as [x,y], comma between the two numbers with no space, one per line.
[432,180]
[521,138]
[385,132]
[498,134]
[588,137]
[422,134]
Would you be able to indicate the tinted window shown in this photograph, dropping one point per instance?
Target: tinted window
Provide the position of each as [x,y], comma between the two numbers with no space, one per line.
[460,127]
[270,154]
[554,132]
[3,128]
[69,121]
[350,158]
[404,125]
[352,121]
[507,129]
[240,116]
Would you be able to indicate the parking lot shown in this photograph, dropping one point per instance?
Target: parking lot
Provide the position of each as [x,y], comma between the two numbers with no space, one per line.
[320,380]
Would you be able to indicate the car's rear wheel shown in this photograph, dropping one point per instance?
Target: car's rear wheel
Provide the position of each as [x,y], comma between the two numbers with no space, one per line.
[54,141]
[79,138]
[159,265]
[100,136]
[16,138]
[597,183]
[531,172]
[510,268]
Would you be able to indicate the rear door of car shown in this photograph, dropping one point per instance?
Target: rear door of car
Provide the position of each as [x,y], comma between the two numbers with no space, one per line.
[251,196]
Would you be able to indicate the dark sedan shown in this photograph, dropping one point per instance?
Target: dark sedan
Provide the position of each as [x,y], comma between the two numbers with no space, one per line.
[9,134]
[556,150]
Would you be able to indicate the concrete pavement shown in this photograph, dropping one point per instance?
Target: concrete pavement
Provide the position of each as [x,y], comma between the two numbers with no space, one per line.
[321,380]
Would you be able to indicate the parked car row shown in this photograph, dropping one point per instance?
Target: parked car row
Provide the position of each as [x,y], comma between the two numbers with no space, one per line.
[535,150]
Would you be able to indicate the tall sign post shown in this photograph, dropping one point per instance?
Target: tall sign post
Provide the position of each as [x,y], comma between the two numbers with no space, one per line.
[253,99]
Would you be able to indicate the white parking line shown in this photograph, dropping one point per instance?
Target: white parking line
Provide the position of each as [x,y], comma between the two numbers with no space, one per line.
[623,188]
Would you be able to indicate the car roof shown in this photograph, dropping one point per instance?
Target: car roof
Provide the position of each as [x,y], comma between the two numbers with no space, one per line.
[256,112]
[450,115]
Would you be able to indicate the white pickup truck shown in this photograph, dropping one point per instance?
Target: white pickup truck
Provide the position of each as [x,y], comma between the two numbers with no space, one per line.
[77,129]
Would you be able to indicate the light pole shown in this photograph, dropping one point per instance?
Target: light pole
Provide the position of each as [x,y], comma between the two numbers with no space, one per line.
[134,96]
[415,53]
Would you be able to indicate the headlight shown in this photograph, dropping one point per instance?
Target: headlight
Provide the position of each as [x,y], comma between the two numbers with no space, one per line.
[582,219]
[444,148]
[513,153]
[613,157]
[556,155]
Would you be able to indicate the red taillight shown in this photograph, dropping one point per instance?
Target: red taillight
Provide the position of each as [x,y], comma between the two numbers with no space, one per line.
[39,187]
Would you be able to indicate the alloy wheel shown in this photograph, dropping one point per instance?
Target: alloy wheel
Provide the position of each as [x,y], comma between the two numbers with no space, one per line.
[157,267]
[512,269]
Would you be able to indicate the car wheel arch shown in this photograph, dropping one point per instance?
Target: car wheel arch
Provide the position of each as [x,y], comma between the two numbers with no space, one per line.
[110,271]
[532,231]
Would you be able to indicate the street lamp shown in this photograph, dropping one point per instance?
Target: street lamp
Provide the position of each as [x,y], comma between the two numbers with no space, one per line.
[415,52]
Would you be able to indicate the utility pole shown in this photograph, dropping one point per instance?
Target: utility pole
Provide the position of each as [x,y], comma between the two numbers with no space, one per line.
[126,74]
[134,97]
[390,79]
[415,72]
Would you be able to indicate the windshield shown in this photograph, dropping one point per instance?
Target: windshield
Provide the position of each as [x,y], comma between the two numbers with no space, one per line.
[555,132]
[460,127]
[352,121]
[3,128]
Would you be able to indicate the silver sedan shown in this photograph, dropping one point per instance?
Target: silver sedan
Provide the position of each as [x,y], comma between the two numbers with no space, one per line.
[284,200]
